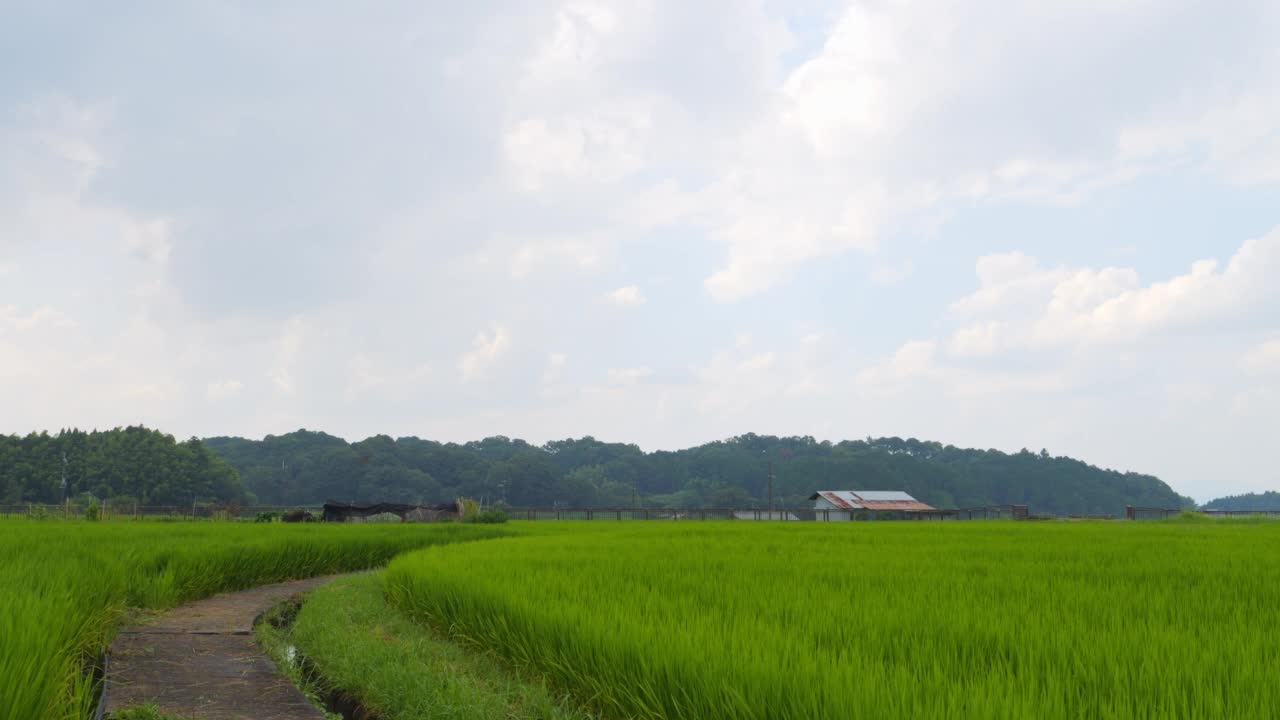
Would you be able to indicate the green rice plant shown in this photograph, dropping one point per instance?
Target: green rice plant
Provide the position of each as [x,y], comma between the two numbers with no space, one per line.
[65,585]
[881,620]
[399,670]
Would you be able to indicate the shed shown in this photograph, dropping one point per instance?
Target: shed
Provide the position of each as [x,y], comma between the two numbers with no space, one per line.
[840,504]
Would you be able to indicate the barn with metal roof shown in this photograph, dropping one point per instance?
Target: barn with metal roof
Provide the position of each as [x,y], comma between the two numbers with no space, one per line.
[841,504]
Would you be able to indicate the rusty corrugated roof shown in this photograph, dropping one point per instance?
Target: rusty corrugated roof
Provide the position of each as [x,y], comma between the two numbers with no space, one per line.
[895,505]
[871,500]
[843,499]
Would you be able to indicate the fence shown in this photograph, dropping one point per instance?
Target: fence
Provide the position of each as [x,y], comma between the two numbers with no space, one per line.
[130,511]
[133,511]
[1146,513]
[988,512]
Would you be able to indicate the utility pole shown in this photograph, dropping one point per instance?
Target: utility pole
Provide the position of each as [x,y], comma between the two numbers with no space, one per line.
[770,489]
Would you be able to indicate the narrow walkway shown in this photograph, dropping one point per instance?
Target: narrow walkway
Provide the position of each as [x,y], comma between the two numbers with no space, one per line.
[200,661]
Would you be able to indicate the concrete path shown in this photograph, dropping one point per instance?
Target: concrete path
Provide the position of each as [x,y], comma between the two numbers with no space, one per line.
[200,661]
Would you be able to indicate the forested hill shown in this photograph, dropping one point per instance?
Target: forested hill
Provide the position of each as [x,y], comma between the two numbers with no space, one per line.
[310,467]
[1269,500]
[126,465]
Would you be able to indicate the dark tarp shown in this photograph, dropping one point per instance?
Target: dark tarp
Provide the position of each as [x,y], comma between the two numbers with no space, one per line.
[340,512]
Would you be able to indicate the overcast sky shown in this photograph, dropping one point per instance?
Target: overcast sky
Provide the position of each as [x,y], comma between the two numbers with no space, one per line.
[993,224]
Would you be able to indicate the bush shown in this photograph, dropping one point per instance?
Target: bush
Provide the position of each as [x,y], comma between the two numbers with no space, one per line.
[294,516]
[467,509]
[266,517]
[491,517]
[93,512]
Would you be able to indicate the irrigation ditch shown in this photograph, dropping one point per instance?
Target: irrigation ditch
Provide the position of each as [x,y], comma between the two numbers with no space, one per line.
[300,669]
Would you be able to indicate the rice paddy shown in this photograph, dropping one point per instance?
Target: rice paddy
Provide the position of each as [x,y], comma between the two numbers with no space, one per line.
[697,620]
[999,619]
[346,637]
[65,584]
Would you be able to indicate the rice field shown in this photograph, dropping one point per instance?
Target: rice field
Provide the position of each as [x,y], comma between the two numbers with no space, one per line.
[990,620]
[65,584]
[345,636]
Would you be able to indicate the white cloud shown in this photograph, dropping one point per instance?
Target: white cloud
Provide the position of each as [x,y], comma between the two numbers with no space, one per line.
[287,348]
[906,109]
[985,338]
[40,318]
[602,147]
[628,376]
[223,389]
[1030,307]
[582,253]
[371,372]
[554,370]
[913,361]
[890,275]
[628,296]
[1263,358]
[148,240]
[487,349]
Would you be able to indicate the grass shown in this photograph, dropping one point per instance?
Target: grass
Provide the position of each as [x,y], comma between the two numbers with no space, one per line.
[998,620]
[66,584]
[144,712]
[401,670]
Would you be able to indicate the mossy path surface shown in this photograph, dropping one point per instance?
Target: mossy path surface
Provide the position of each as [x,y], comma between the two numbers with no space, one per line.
[201,661]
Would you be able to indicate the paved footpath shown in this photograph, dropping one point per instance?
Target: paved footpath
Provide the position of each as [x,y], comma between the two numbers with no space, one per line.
[200,661]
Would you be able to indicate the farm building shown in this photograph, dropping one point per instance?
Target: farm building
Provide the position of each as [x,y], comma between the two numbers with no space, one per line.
[842,504]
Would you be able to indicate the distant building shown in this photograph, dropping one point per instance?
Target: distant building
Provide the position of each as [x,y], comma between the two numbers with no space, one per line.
[763,515]
[842,504]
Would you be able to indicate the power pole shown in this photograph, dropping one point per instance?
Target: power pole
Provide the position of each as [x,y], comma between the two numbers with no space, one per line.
[770,489]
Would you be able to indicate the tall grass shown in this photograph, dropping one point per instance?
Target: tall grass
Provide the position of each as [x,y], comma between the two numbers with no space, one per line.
[1000,620]
[63,585]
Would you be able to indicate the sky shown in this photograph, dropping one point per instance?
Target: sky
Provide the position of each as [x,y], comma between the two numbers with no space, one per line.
[999,225]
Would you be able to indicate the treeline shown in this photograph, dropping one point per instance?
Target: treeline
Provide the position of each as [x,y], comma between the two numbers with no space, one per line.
[124,465]
[309,467]
[1269,500]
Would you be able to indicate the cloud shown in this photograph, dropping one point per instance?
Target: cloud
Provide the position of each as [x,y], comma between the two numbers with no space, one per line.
[628,296]
[628,376]
[487,350]
[1263,358]
[583,253]
[286,355]
[41,318]
[906,110]
[890,275]
[602,147]
[554,371]
[915,360]
[1031,307]
[223,389]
